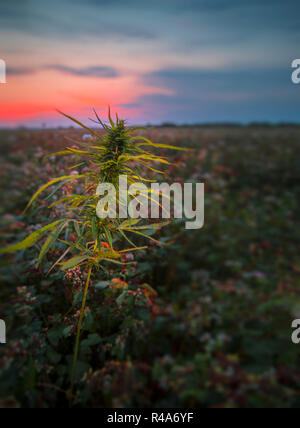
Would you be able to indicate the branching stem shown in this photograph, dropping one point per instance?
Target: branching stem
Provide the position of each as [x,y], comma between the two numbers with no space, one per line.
[79,331]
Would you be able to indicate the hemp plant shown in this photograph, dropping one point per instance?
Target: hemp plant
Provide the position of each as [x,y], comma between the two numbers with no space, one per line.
[104,158]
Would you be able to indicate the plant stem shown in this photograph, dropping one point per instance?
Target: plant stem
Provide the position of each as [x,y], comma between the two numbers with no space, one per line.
[79,330]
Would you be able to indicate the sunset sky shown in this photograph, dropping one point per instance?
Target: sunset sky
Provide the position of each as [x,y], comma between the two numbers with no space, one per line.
[183,61]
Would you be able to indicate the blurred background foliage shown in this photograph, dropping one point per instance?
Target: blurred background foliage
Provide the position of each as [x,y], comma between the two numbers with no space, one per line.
[203,322]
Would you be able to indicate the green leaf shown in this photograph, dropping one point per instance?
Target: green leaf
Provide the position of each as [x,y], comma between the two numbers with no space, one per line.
[92,340]
[110,119]
[49,242]
[130,222]
[157,145]
[80,124]
[55,335]
[56,188]
[75,261]
[88,321]
[31,239]
[94,229]
[115,262]
[108,237]
[106,254]
[50,183]
[102,285]
[122,298]
[142,234]
[77,228]
[126,238]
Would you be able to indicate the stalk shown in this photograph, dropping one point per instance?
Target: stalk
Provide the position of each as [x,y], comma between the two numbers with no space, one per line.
[111,154]
[79,331]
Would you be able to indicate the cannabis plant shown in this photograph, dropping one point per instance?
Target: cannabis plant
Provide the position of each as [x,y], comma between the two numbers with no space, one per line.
[103,159]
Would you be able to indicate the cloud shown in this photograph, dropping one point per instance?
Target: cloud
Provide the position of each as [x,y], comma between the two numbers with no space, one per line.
[19,71]
[191,81]
[195,5]
[221,59]
[68,19]
[222,95]
[93,71]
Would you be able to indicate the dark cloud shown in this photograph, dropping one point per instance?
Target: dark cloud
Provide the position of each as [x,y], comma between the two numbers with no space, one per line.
[264,9]
[62,19]
[92,71]
[130,105]
[191,81]
[195,5]
[208,96]
[197,22]
[19,71]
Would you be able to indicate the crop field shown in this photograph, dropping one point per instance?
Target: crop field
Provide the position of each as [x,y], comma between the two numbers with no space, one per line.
[195,318]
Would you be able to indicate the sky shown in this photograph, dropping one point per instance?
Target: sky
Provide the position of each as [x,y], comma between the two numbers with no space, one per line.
[183,61]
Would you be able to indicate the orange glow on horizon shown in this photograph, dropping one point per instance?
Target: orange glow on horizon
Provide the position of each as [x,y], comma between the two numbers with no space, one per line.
[36,96]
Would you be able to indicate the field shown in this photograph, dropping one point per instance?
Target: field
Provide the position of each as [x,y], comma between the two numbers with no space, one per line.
[204,321]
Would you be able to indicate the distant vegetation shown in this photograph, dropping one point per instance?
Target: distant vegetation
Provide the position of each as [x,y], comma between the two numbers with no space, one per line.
[203,322]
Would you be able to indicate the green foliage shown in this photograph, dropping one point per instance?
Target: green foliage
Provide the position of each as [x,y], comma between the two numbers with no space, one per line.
[203,322]
[107,157]
[31,239]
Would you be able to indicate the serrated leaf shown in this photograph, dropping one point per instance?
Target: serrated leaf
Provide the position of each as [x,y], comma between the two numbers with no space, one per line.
[50,183]
[74,261]
[130,222]
[108,236]
[77,228]
[101,285]
[49,242]
[31,239]
[62,153]
[147,142]
[110,254]
[94,229]
[80,124]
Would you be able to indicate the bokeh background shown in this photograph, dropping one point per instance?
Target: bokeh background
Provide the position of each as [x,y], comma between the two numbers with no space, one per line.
[212,325]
